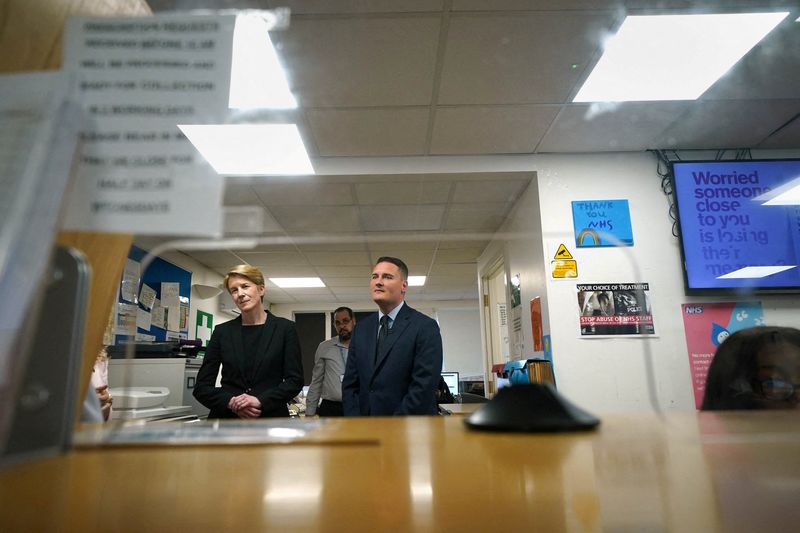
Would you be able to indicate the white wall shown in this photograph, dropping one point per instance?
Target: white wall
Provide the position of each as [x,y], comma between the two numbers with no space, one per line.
[461,340]
[518,244]
[613,374]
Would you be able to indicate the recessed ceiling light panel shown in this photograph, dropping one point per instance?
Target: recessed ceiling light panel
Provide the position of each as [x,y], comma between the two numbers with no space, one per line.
[250,149]
[416,281]
[258,80]
[673,57]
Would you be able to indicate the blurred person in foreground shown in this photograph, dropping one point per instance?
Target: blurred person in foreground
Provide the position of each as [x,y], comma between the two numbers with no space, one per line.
[755,368]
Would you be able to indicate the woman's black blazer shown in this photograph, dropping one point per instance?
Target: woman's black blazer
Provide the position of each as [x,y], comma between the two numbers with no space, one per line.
[274,376]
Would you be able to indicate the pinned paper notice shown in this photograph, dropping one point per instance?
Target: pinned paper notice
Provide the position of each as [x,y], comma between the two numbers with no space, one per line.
[147,296]
[169,295]
[130,280]
[173,318]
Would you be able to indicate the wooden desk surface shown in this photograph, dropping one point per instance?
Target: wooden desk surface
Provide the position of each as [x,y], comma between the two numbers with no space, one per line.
[689,472]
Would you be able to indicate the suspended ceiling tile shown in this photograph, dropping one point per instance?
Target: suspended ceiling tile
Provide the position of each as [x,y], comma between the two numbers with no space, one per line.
[288,271]
[320,219]
[338,258]
[409,257]
[359,282]
[454,271]
[476,217]
[369,132]
[610,127]
[345,271]
[364,61]
[490,129]
[409,241]
[727,123]
[249,220]
[331,243]
[402,217]
[489,191]
[304,191]
[239,194]
[222,260]
[455,240]
[519,58]
[273,259]
[403,191]
[273,244]
[458,255]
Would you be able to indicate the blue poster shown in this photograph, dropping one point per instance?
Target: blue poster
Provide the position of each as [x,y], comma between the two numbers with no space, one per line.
[602,223]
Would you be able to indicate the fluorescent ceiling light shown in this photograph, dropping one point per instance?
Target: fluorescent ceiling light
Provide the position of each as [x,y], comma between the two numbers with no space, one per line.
[416,281]
[297,283]
[250,149]
[257,78]
[786,194]
[672,57]
[755,272]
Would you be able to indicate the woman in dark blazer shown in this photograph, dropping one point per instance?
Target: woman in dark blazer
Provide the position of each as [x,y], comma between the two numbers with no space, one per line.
[259,353]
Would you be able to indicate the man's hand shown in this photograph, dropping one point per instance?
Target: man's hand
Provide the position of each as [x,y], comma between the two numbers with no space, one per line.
[245,406]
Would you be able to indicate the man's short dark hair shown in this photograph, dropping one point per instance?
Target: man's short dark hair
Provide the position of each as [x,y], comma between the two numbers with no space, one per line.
[340,309]
[395,261]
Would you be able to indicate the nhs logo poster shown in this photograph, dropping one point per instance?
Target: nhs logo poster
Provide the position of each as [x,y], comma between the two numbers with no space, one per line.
[707,325]
[602,223]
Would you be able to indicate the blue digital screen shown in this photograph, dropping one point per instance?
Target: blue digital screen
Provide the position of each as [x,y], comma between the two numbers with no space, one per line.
[740,223]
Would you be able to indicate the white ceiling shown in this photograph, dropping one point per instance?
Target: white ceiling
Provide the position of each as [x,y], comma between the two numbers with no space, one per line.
[378,78]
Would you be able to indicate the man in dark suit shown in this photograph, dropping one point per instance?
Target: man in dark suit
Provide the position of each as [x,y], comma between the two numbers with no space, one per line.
[259,353]
[395,357]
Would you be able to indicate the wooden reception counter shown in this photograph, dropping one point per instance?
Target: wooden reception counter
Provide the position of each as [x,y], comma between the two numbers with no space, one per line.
[638,472]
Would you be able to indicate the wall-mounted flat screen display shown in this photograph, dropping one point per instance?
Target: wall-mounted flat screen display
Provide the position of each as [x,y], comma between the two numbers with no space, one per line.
[739,224]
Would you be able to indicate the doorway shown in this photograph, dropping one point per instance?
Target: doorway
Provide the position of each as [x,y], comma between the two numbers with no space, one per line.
[495,320]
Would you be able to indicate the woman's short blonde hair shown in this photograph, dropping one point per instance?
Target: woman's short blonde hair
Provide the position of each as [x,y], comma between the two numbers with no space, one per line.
[245,271]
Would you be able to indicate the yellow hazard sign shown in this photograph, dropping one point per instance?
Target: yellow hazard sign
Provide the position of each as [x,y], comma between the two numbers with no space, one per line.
[567,268]
[562,253]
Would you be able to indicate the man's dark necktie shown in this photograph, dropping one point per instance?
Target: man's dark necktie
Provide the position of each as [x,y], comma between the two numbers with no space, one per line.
[382,333]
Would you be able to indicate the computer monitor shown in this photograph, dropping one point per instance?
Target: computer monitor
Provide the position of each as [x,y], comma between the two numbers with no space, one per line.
[451,379]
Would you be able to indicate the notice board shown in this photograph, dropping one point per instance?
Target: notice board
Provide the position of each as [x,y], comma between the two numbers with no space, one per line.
[156,300]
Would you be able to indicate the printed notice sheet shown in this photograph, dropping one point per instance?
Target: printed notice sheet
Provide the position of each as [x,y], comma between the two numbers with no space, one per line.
[147,296]
[615,309]
[138,79]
